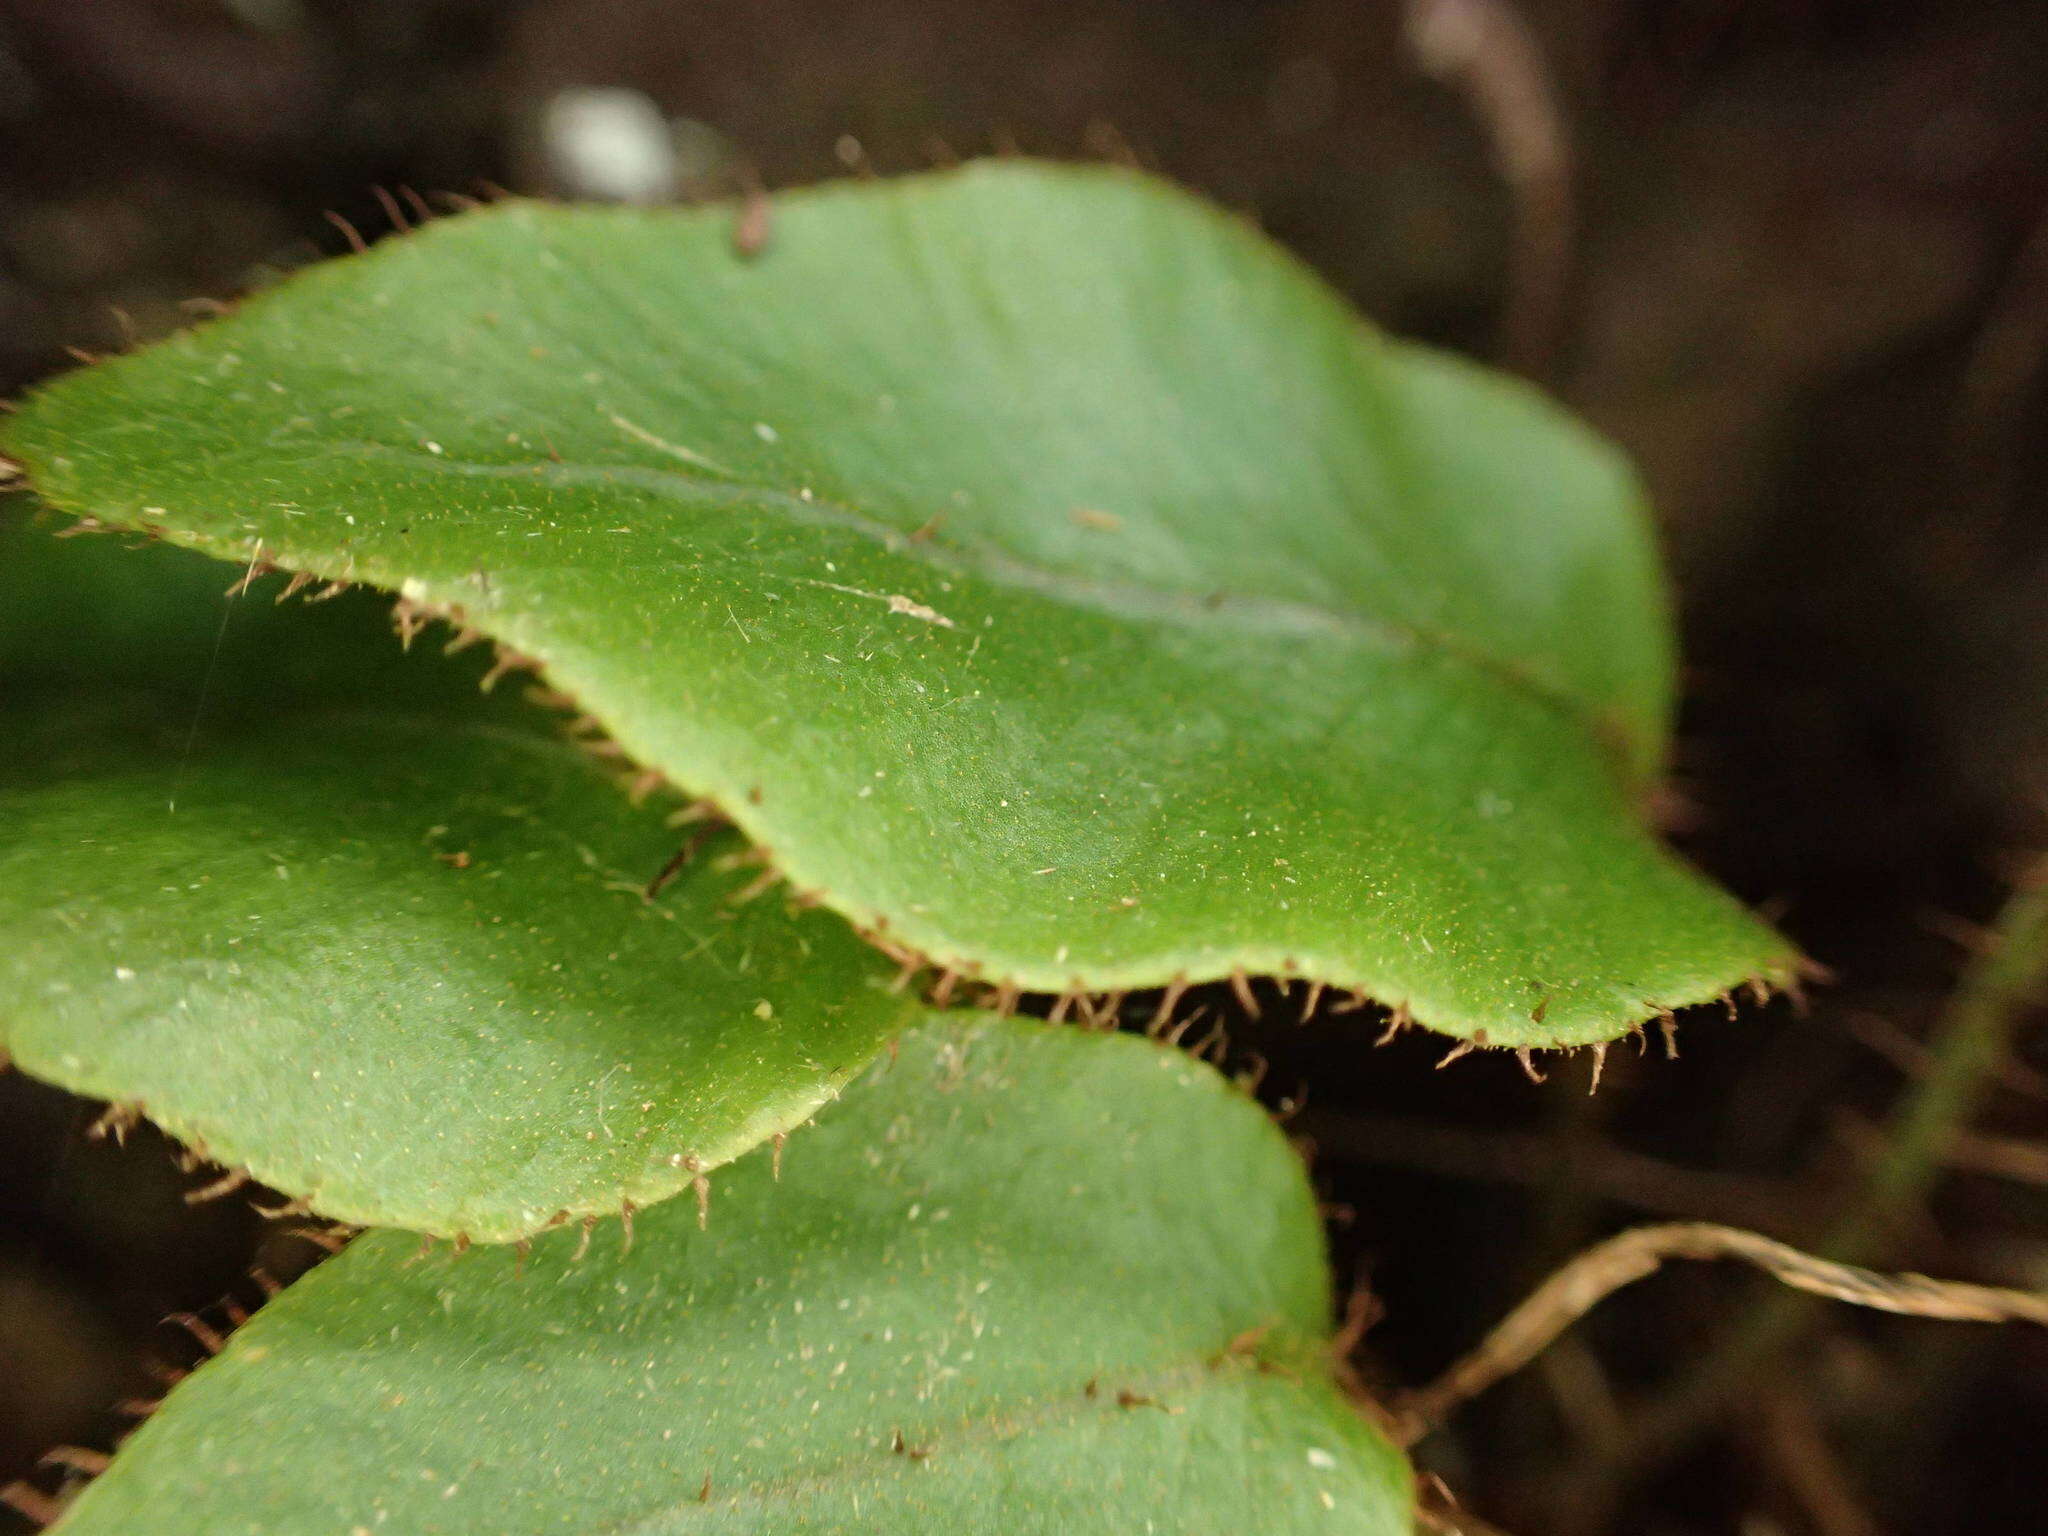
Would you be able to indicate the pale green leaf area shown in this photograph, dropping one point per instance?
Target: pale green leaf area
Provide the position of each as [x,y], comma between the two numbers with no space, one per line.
[390,955]
[1044,566]
[1020,1280]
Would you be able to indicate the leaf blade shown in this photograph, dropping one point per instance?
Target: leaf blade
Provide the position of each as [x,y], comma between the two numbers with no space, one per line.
[395,961]
[1054,1342]
[1054,577]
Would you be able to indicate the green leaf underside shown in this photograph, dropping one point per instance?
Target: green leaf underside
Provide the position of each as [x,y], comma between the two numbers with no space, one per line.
[1078,1279]
[390,956]
[1044,566]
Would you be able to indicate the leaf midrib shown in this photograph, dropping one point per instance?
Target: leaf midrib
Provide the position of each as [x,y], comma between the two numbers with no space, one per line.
[1125,601]
[982,1432]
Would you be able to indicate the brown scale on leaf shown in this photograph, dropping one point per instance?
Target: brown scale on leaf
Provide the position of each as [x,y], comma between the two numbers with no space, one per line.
[538,694]
[1241,984]
[754,222]
[674,866]
[258,569]
[75,1458]
[695,811]
[31,1503]
[910,965]
[331,1239]
[349,232]
[408,620]
[760,885]
[507,661]
[392,211]
[700,1186]
[226,1184]
[1311,1002]
[1174,1035]
[208,1337]
[288,1208]
[1126,1398]
[1398,1019]
[1168,1001]
[116,1120]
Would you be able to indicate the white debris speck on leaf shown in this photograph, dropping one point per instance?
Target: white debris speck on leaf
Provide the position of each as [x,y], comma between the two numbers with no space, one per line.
[1321,1459]
[122,973]
[898,603]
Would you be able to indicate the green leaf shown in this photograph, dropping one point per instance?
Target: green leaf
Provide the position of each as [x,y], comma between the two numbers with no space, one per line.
[1044,566]
[1020,1280]
[391,955]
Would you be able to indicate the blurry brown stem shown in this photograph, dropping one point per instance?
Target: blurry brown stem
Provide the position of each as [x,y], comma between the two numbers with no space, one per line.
[1603,1269]
[1792,1441]
[1485,51]
[1601,1170]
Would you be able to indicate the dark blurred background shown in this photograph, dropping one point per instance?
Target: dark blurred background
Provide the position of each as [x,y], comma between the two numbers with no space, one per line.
[1792,254]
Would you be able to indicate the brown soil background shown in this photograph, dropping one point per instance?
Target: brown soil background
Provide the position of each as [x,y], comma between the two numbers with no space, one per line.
[1807,290]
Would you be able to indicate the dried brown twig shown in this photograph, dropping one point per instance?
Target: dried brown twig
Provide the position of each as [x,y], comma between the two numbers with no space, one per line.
[1603,1269]
[1997,990]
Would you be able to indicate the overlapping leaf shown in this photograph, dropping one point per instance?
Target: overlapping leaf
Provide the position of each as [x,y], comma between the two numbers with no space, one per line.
[325,911]
[1022,1280]
[1042,565]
